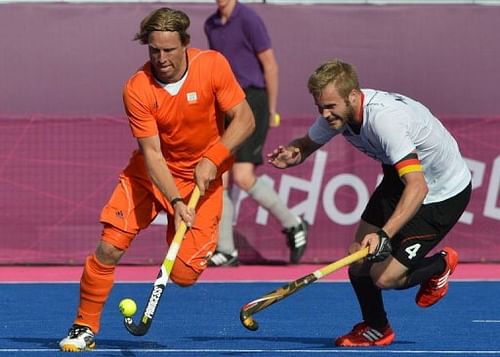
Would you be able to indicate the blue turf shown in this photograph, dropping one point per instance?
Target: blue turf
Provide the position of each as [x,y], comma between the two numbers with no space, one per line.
[204,320]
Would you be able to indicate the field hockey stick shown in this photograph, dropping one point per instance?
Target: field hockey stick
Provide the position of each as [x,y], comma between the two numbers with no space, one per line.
[248,310]
[162,278]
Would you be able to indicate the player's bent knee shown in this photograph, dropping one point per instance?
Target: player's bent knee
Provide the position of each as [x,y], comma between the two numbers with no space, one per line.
[384,282]
[182,274]
[113,244]
[380,283]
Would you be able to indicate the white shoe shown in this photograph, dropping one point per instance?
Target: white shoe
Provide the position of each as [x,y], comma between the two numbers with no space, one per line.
[80,338]
[219,259]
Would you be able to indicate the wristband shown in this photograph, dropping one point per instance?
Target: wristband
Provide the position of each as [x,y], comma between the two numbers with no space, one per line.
[218,153]
[381,234]
[175,200]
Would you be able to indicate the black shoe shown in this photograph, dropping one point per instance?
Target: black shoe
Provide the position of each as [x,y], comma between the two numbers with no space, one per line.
[297,240]
[219,259]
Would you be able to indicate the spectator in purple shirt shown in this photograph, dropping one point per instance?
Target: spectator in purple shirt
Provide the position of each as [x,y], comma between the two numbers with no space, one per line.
[239,33]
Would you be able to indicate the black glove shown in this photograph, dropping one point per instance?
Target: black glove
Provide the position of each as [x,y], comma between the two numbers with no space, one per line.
[383,249]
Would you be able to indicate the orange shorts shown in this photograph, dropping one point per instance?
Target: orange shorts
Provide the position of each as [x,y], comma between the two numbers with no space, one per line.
[135,202]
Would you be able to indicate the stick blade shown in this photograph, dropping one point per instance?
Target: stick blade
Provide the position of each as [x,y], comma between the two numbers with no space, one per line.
[136,330]
[247,320]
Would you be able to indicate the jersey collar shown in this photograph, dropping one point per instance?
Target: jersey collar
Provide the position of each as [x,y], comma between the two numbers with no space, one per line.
[361,108]
[356,128]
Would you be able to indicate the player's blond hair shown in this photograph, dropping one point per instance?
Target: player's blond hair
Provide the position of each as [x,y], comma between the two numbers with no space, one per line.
[341,74]
[164,19]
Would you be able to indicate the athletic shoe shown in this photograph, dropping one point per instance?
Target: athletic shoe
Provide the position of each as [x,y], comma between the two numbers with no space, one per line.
[436,287]
[80,338]
[363,335]
[219,259]
[297,240]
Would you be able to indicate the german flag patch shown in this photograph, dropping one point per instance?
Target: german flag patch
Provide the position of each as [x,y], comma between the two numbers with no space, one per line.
[410,163]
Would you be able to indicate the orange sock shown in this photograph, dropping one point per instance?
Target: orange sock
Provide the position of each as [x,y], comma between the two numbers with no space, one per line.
[95,286]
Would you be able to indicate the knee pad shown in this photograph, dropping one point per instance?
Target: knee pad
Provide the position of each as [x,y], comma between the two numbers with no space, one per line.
[118,238]
[183,274]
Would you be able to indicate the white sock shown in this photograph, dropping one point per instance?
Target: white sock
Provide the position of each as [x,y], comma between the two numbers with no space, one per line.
[265,196]
[225,243]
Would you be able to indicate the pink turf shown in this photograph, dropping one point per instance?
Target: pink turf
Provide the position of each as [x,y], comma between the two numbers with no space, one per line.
[464,271]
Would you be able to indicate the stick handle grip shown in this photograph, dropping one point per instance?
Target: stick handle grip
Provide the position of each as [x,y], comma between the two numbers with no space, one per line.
[179,234]
[330,268]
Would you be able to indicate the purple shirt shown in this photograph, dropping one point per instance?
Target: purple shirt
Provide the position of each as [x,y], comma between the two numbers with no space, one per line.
[240,39]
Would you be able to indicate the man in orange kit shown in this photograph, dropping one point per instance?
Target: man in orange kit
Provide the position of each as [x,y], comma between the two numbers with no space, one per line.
[175,105]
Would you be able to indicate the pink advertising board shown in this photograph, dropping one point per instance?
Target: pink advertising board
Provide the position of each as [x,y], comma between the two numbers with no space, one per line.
[56,174]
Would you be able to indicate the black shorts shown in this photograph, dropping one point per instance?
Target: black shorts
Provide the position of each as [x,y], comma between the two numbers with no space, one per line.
[425,230]
[251,149]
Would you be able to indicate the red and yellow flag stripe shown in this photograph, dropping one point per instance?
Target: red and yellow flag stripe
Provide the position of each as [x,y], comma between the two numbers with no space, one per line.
[408,165]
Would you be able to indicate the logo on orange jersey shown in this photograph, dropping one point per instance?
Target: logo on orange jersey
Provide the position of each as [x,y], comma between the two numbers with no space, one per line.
[206,258]
[192,97]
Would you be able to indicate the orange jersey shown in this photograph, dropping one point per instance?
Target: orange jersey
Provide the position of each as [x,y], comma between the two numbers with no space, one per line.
[189,122]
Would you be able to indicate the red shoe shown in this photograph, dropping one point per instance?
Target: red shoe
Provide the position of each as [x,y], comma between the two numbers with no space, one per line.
[363,335]
[436,287]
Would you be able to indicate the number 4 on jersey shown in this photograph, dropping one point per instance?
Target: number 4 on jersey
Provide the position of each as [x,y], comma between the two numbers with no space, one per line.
[412,250]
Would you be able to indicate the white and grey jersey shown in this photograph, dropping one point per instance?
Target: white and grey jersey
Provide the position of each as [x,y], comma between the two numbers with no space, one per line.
[393,126]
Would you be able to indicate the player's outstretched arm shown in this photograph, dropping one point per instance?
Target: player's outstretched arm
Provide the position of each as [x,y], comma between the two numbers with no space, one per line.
[293,154]
[283,157]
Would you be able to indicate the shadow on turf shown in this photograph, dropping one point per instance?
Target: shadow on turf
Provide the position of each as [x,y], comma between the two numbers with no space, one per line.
[313,341]
[248,255]
[123,345]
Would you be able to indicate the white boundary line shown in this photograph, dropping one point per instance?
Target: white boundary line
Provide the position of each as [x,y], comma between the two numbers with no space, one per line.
[295,351]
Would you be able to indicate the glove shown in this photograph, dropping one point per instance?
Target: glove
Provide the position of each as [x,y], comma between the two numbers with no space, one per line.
[384,248]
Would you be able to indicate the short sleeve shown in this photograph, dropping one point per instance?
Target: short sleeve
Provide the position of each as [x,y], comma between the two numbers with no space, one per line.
[139,109]
[226,87]
[320,132]
[256,31]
